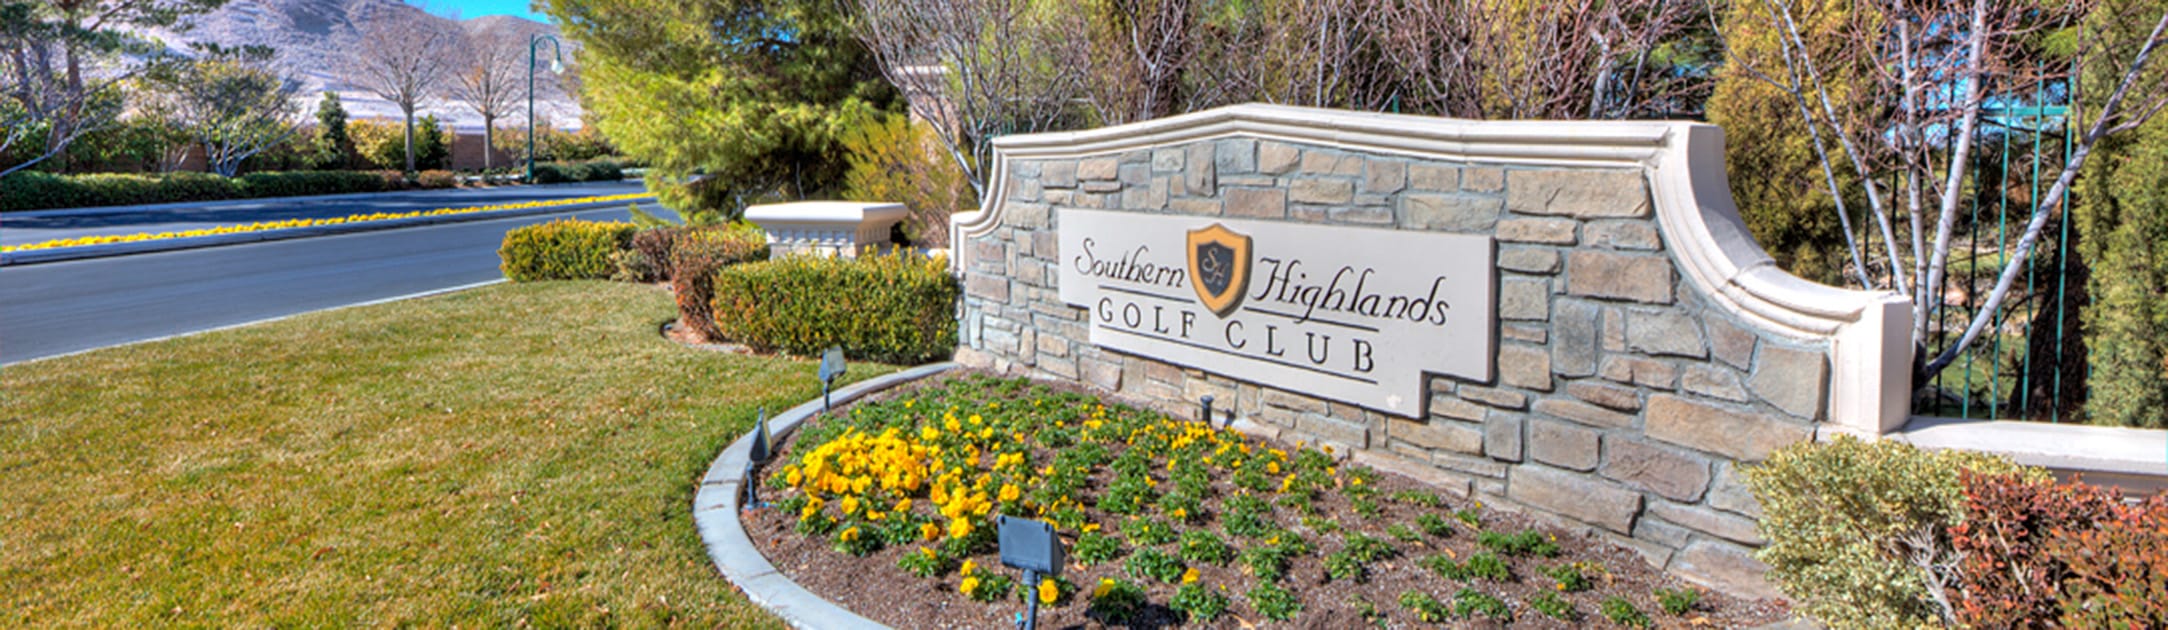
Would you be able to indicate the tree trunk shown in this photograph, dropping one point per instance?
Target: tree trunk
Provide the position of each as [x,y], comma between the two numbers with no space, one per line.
[409,139]
[489,141]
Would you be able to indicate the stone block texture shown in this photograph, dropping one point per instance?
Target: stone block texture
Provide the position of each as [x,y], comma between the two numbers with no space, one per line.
[1620,402]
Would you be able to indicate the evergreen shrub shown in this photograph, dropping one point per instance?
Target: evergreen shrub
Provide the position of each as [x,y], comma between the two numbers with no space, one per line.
[894,308]
[563,250]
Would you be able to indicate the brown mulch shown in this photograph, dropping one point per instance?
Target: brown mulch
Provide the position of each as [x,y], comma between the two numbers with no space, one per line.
[874,587]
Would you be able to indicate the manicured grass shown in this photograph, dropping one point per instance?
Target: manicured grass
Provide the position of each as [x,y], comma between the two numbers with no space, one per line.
[509,456]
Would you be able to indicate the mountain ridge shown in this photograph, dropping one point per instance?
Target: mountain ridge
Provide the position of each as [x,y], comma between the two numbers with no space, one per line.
[309,36]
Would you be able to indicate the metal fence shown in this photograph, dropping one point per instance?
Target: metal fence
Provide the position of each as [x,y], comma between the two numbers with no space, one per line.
[2030,364]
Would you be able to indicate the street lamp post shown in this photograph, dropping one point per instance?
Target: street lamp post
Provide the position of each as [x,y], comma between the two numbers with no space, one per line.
[557,66]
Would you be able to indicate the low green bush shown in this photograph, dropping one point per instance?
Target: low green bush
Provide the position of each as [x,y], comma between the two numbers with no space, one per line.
[301,183]
[34,190]
[1858,531]
[563,250]
[598,170]
[895,308]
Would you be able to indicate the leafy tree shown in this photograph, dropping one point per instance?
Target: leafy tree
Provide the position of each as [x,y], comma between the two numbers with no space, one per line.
[332,143]
[232,103]
[62,64]
[1776,179]
[755,96]
[900,160]
[379,143]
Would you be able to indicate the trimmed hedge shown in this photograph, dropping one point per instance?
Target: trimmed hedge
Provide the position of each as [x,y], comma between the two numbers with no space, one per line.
[602,170]
[566,249]
[897,308]
[35,190]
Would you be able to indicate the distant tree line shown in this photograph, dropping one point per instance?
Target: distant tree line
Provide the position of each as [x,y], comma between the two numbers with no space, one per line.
[82,90]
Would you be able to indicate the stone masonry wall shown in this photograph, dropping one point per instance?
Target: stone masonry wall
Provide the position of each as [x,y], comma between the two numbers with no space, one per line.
[1620,402]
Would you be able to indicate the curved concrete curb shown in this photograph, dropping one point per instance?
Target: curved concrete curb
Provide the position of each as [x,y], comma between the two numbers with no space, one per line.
[715,512]
[59,254]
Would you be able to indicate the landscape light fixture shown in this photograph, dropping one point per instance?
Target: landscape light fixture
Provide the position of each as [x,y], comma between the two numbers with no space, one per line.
[1029,545]
[761,444]
[831,367]
[557,66]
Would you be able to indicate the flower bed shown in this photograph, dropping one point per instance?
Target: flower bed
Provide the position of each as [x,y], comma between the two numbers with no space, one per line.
[887,509]
[260,226]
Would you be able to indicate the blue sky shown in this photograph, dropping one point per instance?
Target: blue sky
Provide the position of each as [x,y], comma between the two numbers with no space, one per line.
[470,9]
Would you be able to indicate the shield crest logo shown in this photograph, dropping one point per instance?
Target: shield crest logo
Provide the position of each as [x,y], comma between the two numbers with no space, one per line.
[1219,267]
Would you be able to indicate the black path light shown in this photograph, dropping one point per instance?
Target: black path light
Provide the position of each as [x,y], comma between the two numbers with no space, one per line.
[831,368]
[1205,413]
[762,449]
[760,453]
[1029,545]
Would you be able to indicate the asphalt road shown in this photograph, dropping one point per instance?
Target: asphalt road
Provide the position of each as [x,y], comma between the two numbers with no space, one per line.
[17,228]
[65,307]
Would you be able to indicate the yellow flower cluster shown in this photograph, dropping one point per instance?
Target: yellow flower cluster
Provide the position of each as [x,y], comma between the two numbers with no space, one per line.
[260,226]
[852,467]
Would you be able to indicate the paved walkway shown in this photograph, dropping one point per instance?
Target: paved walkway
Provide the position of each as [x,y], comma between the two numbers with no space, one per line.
[18,228]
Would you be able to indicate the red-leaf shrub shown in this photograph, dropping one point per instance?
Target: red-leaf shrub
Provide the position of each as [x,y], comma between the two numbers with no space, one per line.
[2007,578]
[695,255]
[655,245]
[2118,569]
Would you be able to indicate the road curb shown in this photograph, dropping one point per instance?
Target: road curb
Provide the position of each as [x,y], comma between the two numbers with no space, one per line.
[721,493]
[60,254]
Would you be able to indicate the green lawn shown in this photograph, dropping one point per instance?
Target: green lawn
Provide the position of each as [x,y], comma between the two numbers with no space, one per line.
[512,455]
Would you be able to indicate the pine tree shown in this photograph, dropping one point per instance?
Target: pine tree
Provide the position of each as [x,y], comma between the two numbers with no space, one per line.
[332,143]
[758,97]
[432,150]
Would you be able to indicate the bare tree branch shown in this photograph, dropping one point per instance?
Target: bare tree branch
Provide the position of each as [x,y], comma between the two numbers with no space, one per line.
[402,56]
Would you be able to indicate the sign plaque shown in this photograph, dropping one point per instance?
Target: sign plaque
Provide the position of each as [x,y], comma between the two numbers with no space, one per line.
[1359,315]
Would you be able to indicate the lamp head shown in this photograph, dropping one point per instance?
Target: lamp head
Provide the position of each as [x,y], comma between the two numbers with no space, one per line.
[557,66]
